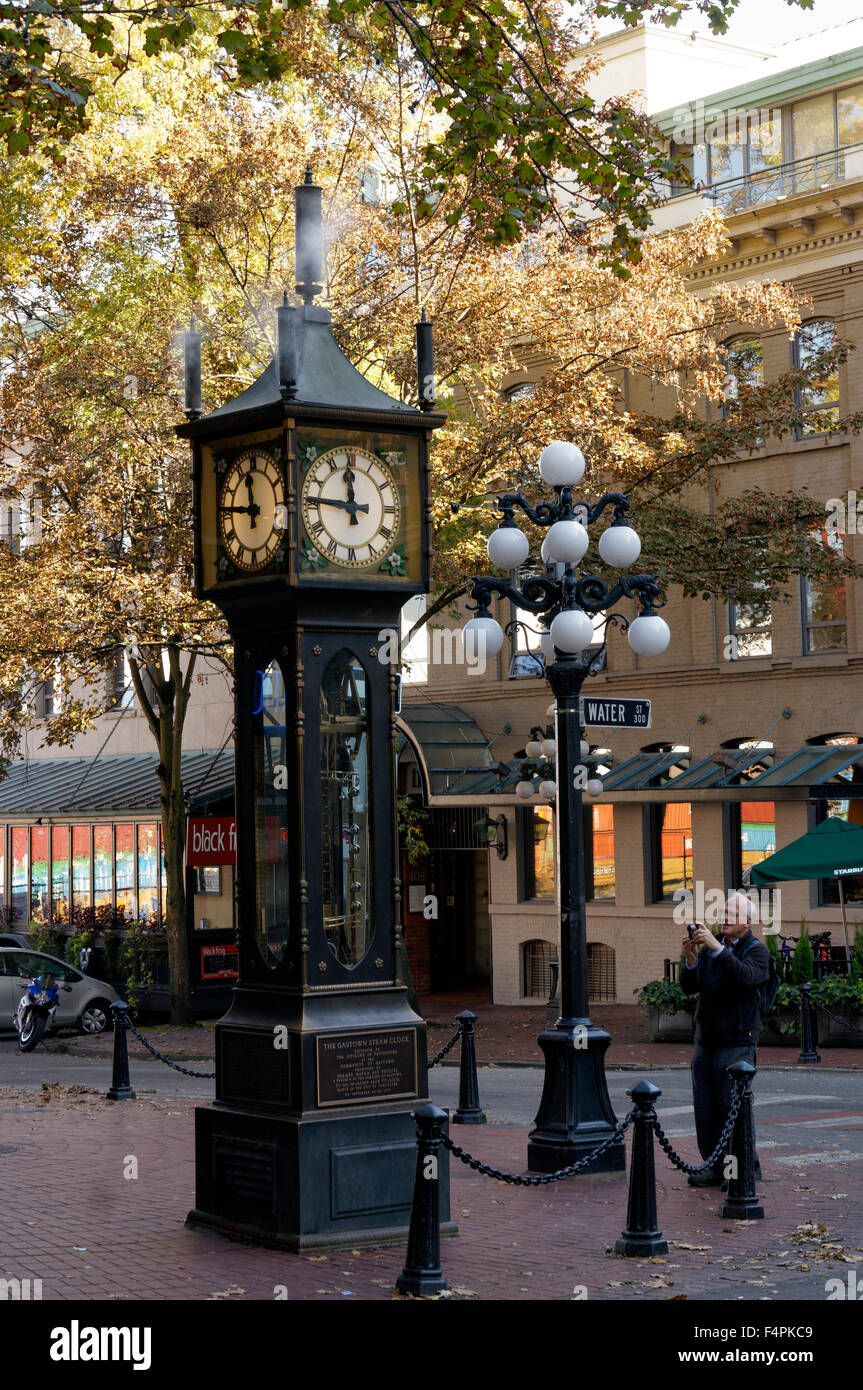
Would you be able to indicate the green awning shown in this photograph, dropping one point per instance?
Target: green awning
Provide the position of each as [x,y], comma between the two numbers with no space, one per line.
[834,849]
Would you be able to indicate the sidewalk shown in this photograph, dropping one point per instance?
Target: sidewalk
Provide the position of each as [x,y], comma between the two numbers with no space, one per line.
[114,1237]
[505,1035]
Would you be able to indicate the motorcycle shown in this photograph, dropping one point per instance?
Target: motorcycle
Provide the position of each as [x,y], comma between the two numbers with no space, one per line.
[36,1010]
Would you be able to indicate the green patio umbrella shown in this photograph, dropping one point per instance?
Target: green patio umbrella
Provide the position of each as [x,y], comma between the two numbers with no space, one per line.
[834,849]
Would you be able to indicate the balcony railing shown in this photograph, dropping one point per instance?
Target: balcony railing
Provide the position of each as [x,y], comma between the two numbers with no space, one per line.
[780,181]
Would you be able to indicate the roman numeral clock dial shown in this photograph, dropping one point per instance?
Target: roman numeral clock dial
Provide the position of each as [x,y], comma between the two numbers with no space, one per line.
[351,508]
[251,500]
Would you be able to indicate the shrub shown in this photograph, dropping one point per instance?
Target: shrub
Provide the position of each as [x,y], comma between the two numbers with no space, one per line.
[803,960]
[857,954]
[665,995]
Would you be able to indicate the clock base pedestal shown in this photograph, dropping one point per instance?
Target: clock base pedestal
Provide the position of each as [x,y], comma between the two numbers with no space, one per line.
[308,1184]
[302,1149]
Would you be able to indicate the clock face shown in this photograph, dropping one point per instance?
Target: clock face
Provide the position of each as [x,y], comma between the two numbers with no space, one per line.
[350,507]
[251,507]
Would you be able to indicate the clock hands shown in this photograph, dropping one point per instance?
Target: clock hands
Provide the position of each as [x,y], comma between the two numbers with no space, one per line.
[253,510]
[349,477]
[349,506]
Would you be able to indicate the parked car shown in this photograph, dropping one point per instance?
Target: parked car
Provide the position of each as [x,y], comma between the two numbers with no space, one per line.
[13,938]
[85,1003]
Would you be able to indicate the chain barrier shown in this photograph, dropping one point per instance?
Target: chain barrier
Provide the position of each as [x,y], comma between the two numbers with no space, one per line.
[207,1075]
[843,1022]
[449,1047]
[718,1152]
[529,1180]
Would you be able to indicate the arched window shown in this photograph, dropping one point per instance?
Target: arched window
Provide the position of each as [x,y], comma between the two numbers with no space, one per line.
[519,391]
[601,971]
[819,397]
[536,958]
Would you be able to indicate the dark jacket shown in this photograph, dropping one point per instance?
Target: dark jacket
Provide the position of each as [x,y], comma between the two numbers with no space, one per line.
[727,1013]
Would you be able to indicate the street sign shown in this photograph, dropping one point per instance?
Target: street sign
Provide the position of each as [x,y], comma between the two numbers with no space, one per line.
[616,714]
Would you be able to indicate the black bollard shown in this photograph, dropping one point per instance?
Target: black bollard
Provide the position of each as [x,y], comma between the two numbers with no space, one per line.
[742,1203]
[422,1272]
[642,1236]
[121,1086]
[808,1027]
[469,1111]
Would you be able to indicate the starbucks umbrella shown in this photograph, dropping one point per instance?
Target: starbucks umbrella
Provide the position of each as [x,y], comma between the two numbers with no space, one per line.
[834,849]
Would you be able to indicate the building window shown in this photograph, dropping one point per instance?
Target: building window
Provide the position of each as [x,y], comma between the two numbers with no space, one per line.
[599,852]
[148,869]
[756,830]
[208,880]
[59,873]
[415,653]
[744,371]
[43,700]
[519,391]
[601,971]
[121,693]
[539,852]
[749,625]
[672,848]
[103,865]
[852,884]
[40,905]
[819,399]
[823,602]
[824,124]
[20,875]
[80,868]
[536,957]
[124,871]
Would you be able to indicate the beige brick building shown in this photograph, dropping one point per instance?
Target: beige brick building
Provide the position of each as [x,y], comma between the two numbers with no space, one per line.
[781,151]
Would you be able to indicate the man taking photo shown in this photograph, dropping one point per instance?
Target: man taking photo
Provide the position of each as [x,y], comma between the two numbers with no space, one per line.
[726,975]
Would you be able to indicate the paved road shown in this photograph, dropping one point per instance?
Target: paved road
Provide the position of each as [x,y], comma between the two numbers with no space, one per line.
[804,1117]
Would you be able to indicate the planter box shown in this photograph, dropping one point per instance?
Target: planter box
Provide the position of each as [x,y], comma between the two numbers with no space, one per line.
[830,1034]
[670,1028]
[770,1035]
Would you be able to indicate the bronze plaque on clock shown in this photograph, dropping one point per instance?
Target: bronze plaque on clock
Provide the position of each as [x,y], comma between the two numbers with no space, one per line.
[353,1068]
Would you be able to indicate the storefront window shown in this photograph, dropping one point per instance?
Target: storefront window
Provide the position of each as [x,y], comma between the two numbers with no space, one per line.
[19,875]
[59,873]
[543,852]
[80,867]
[40,910]
[757,832]
[599,863]
[2,867]
[148,882]
[673,848]
[103,865]
[124,870]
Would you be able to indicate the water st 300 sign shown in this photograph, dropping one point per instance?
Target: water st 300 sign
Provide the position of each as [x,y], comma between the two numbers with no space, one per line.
[615,714]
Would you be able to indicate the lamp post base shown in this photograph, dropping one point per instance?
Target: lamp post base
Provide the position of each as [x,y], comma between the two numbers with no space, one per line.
[575,1113]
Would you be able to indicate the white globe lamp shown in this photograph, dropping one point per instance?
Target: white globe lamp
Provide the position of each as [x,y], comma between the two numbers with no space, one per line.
[507,547]
[483,636]
[572,630]
[619,546]
[594,787]
[524,789]
[549,747]
[561,464]
[566,542]
[533,749]
[548,789]
[648,635]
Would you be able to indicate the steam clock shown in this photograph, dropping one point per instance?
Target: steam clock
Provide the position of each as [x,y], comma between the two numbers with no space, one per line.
[312,530]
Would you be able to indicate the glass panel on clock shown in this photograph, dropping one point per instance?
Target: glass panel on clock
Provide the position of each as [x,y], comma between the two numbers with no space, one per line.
[269,752]
[345,815]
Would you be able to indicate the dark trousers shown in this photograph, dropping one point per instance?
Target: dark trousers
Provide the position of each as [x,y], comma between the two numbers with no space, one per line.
[711,1091]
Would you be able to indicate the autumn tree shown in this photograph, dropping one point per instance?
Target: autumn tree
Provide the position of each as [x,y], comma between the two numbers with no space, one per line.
[506,82]
[178,201]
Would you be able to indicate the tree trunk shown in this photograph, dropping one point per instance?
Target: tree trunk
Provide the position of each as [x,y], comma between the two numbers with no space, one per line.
[166,723]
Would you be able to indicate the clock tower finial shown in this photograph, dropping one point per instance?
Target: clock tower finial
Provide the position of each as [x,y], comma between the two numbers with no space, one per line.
[308,239]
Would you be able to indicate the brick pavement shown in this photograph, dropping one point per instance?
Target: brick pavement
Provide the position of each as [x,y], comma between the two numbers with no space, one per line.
[89,1232]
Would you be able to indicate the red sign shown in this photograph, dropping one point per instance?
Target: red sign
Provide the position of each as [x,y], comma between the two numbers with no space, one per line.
[212,840]
[219,963]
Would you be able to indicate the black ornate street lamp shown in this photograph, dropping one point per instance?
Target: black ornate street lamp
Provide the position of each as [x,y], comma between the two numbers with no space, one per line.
[575,1113]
